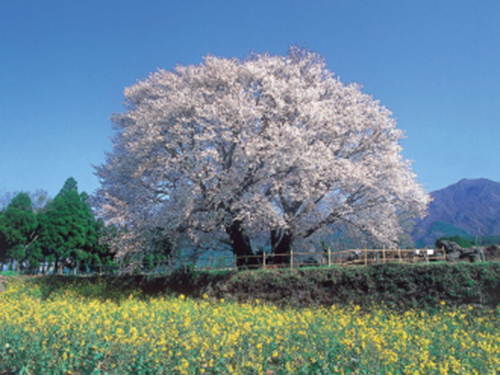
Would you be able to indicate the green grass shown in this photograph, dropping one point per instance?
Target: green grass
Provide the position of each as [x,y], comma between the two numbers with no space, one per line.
[9,273]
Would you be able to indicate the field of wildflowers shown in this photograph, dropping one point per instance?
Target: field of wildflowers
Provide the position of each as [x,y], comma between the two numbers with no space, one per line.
[71,334]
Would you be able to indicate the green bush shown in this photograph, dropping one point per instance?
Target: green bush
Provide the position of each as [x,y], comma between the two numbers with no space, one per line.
[463,242]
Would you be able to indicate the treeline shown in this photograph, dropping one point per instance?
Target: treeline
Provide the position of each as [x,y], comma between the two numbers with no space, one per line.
[62,233]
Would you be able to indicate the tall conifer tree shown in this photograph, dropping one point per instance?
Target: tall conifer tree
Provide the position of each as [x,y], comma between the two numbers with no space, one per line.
[18,226]
[68,227]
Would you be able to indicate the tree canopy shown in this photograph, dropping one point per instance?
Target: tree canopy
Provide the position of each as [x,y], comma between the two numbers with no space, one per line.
[62,232]
[231,149]
[18,226]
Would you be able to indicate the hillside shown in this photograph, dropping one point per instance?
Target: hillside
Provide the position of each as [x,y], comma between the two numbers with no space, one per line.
[469,207]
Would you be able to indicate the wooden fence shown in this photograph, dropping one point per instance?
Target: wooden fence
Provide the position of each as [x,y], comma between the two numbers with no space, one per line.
[318,258]
[292,260]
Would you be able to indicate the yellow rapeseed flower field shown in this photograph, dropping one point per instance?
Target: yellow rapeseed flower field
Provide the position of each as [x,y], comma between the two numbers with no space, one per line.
[70,334]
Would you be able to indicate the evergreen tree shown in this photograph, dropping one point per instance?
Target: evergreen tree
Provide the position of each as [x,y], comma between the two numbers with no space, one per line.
[3,243]
[68,228]
[62,232]
[96,252]
[18,227]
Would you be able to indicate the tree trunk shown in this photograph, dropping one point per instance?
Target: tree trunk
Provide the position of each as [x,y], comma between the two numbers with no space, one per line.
[59,267]
[45,266]
[241,244]
[281,244]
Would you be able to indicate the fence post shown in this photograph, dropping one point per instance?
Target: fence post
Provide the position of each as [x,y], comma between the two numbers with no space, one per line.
[210,262]
[329,257]
[291,258]
[383,254]
[264,259]
[235,262]
[366,257]
[399,255]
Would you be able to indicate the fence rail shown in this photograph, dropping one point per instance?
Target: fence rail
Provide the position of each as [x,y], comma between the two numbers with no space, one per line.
[323,258]
[270,261]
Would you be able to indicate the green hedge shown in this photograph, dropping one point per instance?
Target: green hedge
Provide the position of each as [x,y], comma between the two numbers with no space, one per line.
[398,285]
[394,285]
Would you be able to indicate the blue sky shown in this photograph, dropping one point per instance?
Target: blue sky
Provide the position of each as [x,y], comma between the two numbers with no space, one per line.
[64,65]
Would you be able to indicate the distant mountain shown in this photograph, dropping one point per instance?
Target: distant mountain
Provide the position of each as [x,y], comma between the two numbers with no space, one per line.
[469,207]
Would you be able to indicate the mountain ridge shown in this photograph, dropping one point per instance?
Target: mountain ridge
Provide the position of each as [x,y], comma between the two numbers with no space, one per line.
[469,206]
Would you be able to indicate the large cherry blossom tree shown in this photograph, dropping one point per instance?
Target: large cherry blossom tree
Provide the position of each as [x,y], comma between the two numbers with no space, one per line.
[270,144]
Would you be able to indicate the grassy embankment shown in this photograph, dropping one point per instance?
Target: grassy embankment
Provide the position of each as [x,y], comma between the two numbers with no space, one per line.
[395,285]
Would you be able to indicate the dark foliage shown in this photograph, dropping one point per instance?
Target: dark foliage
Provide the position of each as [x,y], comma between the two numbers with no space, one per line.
[395,285]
